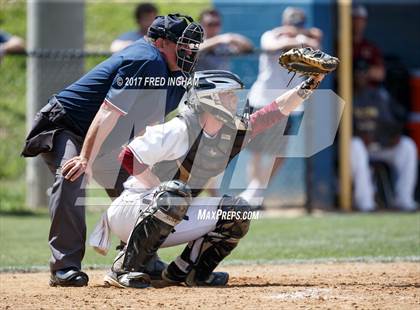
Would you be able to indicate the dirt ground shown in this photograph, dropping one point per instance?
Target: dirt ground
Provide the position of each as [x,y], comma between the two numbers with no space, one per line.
[338,285]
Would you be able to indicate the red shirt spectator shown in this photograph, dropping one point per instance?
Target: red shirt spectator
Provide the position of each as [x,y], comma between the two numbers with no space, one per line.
[365,51]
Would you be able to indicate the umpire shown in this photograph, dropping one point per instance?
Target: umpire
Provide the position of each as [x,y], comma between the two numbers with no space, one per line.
[71,129]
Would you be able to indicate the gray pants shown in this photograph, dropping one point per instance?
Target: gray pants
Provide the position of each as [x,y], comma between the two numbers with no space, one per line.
[68,227]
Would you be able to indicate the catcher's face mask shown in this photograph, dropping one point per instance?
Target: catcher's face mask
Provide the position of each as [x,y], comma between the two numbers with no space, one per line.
[221,94]
[188,46]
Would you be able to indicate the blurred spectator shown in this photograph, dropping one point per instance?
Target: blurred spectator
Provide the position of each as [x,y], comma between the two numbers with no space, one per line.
[217,48]
[273,42]
[271,82]
[378,125]
[10,44]
[144,15]
[364,49]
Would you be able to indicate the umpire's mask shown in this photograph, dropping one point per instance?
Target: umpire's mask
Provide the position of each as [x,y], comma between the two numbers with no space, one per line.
[182,30]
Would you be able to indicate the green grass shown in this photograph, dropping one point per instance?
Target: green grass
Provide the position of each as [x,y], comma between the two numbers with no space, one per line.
[13,97]
[104,21]
[375,236]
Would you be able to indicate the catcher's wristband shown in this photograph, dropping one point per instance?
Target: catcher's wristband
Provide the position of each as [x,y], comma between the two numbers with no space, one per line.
[305,89]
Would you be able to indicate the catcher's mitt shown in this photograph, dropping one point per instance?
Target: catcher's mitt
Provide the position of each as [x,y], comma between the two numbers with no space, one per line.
[308,62]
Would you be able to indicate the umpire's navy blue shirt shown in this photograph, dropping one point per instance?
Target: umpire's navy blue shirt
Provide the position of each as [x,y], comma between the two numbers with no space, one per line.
[119,81]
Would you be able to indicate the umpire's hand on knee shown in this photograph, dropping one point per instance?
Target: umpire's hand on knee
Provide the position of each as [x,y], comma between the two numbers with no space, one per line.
[75,167]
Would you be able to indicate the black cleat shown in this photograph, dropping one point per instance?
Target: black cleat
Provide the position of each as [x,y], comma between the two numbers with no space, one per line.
[215,279]
[69,277]
[171,276]
[127,280]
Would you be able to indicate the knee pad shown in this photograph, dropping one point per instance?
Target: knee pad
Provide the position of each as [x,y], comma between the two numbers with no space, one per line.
[170,209]
[171,202]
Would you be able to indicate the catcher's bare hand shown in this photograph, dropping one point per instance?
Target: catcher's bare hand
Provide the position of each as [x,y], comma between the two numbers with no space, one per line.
[75,167]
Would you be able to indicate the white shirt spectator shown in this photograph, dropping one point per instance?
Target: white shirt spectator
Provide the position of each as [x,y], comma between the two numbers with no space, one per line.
[272,79]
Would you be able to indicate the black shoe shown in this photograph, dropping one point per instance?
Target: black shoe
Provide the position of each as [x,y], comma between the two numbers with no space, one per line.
[215,279]
[127,280]
[69,277]
[172,275]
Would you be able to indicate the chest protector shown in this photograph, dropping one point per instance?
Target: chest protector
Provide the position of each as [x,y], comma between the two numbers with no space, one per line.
[206,157]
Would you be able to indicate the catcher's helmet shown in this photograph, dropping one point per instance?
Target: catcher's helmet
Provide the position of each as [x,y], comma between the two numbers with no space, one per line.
[221,93]
[182,30]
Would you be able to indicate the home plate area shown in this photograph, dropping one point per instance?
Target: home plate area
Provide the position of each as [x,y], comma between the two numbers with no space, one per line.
[323,285]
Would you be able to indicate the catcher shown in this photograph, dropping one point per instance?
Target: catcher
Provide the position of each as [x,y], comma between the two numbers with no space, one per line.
[184,154]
